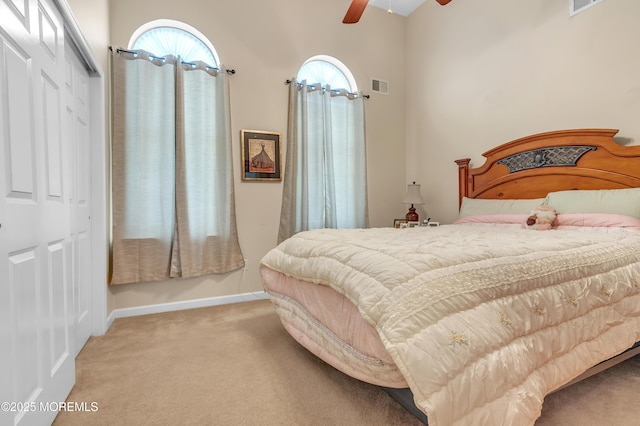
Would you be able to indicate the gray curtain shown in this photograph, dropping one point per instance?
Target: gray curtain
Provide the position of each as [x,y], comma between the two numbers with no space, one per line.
[172,171]
[325,179]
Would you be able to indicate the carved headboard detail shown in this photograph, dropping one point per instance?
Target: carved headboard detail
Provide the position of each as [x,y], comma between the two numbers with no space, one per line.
[535,165]
[545,157]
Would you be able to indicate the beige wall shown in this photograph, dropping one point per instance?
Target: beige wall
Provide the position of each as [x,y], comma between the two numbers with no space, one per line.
[93,19]
[481,73]
[477,74]
[266,42]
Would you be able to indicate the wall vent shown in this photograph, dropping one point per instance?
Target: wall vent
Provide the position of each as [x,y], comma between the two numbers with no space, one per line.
[577,6]
[380,86]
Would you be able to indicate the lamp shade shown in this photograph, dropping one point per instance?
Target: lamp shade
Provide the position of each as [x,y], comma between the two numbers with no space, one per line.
[413,194]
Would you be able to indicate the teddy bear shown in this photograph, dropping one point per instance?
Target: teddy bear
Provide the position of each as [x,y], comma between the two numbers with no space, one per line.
[541,218]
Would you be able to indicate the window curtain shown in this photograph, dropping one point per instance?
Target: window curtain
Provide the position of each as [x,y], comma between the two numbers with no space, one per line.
[172,173]
[325,179]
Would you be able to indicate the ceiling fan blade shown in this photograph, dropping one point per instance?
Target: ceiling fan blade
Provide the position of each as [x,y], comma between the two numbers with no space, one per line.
[355,11]
[443,2]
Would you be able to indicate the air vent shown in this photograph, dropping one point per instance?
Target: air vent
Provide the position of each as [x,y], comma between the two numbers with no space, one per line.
[577,6]
[380,86]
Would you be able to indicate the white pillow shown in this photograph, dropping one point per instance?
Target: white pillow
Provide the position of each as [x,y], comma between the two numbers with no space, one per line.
[613,201]
[475,206]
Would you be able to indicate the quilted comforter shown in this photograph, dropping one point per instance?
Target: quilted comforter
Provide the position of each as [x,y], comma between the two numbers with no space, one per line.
[482,322]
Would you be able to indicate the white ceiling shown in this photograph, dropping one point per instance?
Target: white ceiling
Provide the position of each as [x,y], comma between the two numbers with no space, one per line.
[399,7]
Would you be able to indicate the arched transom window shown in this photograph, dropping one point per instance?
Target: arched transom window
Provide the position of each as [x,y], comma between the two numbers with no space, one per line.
[327,70]
[168,37]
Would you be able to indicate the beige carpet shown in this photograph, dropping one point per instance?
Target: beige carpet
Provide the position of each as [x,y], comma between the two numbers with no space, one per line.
[235,365]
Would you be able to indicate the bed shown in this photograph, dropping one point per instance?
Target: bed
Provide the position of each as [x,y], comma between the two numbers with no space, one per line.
[475,322]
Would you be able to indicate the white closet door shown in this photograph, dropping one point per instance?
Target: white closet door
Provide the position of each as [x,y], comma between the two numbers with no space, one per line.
[36,313]
[77,115]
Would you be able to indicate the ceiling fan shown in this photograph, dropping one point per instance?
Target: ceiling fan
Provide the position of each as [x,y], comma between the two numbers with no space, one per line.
[357,8]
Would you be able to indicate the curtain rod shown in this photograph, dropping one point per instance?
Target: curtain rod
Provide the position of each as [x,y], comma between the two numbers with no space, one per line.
[287,82]
[133,52]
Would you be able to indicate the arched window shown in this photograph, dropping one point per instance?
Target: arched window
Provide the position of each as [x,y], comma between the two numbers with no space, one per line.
[173,207]
[325,182]
[168,37]
[325,70]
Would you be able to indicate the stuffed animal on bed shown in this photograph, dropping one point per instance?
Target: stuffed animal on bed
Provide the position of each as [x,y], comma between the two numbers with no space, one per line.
[541,218]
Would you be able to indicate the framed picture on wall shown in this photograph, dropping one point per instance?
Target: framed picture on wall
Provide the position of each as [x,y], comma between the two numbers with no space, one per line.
[261,158]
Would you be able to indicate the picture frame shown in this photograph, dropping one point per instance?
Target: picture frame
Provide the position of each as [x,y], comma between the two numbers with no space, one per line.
[261,155]
[399,223]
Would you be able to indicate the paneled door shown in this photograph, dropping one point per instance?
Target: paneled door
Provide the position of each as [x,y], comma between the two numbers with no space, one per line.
[42,229]
[77,115]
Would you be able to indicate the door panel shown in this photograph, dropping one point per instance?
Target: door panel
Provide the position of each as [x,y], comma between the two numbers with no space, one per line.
[49,34]
[77,109]
[17,112]
[52,132]
[23,276]
[20,10]
[57,309]
[36,245]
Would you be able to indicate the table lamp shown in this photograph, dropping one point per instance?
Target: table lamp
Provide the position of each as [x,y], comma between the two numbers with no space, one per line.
[412,197]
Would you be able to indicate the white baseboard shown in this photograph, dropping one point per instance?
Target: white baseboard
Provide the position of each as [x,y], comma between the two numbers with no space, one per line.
[186,304]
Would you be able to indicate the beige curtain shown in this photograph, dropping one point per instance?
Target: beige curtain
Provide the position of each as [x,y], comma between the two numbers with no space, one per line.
[172,171]
[325,178]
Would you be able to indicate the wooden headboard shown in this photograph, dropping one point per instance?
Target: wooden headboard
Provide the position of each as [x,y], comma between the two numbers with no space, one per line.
[533,166]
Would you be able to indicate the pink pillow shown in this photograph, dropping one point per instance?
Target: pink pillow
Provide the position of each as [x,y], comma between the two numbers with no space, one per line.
[598,220]
[563,220]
